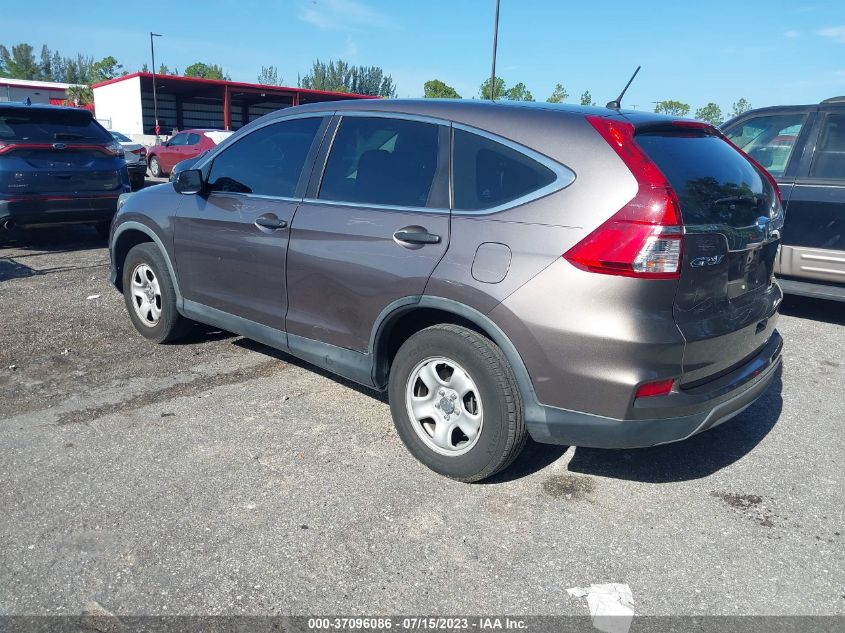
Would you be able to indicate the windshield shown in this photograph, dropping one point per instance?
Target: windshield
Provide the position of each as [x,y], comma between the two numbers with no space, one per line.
[45,125]
[120,137]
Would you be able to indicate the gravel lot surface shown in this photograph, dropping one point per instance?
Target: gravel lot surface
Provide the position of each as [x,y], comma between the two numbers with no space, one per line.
[219,476]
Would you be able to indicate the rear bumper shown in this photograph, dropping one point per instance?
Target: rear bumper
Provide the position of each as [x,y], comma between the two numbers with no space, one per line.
[677,416]
[137,168]
[37,210]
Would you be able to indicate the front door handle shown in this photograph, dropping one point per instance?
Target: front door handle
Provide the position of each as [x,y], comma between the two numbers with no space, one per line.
[417,237]
[270,222]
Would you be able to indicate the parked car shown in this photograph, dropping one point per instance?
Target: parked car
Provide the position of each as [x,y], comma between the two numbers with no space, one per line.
[136,159]
[803,147]
[586,277]
[188,163]
[57,165]
[180,146]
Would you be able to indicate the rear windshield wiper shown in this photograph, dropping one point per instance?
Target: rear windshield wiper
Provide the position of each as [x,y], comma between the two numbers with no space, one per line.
[755,200]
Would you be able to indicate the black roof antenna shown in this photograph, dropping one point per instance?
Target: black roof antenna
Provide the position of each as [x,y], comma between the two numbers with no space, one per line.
[28,101]
[617,103]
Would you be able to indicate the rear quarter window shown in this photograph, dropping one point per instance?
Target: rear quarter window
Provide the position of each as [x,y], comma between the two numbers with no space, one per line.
[488,173]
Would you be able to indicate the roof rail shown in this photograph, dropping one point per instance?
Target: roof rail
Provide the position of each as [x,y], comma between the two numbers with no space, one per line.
[835,100]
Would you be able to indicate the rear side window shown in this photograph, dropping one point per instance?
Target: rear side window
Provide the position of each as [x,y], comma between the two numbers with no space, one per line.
[50,126]
[193,139]
[376,160]
[715,184]
[768,139]
[267,162]
[487,174]
[829,159]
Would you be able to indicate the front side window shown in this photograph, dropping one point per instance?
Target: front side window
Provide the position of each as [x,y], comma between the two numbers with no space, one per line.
[768,139]
[177,140]
[487,173]
[268,161]
[384,161]
[829,159]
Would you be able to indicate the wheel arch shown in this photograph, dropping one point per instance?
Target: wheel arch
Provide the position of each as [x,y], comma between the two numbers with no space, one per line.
[405,317]
[128,235]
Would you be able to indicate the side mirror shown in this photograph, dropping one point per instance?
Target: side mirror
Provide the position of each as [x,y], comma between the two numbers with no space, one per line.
[188,181]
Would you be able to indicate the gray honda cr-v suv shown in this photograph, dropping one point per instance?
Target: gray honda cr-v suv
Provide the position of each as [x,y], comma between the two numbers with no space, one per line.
[584,276]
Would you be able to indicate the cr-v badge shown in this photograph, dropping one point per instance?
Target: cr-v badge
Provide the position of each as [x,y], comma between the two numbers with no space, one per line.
[711,260]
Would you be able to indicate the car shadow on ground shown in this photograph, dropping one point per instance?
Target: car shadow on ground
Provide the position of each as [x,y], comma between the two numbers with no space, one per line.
[52,239]
[816,309]
[694,458]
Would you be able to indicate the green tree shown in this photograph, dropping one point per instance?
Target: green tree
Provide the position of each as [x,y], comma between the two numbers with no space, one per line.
[145,68]
[711,113]
[105,69]
[672,108]
[80,95]
[740,107]
[45,68]
[57,67]
[164,70]
[339,76]
[436,89]
[205,71]
[78,71]
[20,63]
[587,99]
[269,76]
[519,92]
[559,95]
[499,92]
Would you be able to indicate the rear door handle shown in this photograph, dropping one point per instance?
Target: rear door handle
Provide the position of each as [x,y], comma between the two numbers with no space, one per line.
[270,222]
[417,237]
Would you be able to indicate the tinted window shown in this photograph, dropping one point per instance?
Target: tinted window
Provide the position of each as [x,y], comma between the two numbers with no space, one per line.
[487,173]
[177,140]
[43,124]
[768,139]
[715,183]
[266,162]
[829,159]
[193,139]
[120,137]
[382,161]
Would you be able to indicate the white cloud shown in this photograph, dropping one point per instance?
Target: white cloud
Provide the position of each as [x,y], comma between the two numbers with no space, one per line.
[342,14]
[791,35]
[836,33]
[351,48]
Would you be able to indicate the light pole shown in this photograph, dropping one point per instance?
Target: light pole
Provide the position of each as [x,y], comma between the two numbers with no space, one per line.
[495,38]
[155,99]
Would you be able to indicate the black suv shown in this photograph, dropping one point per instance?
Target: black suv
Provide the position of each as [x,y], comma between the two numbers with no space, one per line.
[57,165]
[803,147]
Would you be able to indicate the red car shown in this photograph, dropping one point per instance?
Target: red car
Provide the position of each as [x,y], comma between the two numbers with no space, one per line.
[182,145]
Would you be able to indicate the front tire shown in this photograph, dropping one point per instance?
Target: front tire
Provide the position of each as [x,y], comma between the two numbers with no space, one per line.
[456,404]
[150,295]
[155,167]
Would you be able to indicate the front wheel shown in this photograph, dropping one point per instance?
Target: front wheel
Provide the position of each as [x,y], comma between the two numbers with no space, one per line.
[150,296]
[155,167]
[456,404]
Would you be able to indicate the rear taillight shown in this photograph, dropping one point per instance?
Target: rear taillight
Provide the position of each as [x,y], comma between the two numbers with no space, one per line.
[656,388]
[644,238]
[115,149]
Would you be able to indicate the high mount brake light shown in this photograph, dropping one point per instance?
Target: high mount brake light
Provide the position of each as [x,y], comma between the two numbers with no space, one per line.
[644,238]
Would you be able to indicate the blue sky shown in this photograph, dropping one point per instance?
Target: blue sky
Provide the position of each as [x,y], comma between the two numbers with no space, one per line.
[769,51]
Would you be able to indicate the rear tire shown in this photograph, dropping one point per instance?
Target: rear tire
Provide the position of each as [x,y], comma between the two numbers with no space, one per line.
[456,404]
[155,167]
[136,181]
[150,295]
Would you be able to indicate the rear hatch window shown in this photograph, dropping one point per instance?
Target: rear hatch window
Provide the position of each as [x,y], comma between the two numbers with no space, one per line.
[731,215]
[715,184]
[37,125]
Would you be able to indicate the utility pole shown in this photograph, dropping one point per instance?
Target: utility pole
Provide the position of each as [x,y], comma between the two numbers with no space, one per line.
[155,98]
[495,38]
